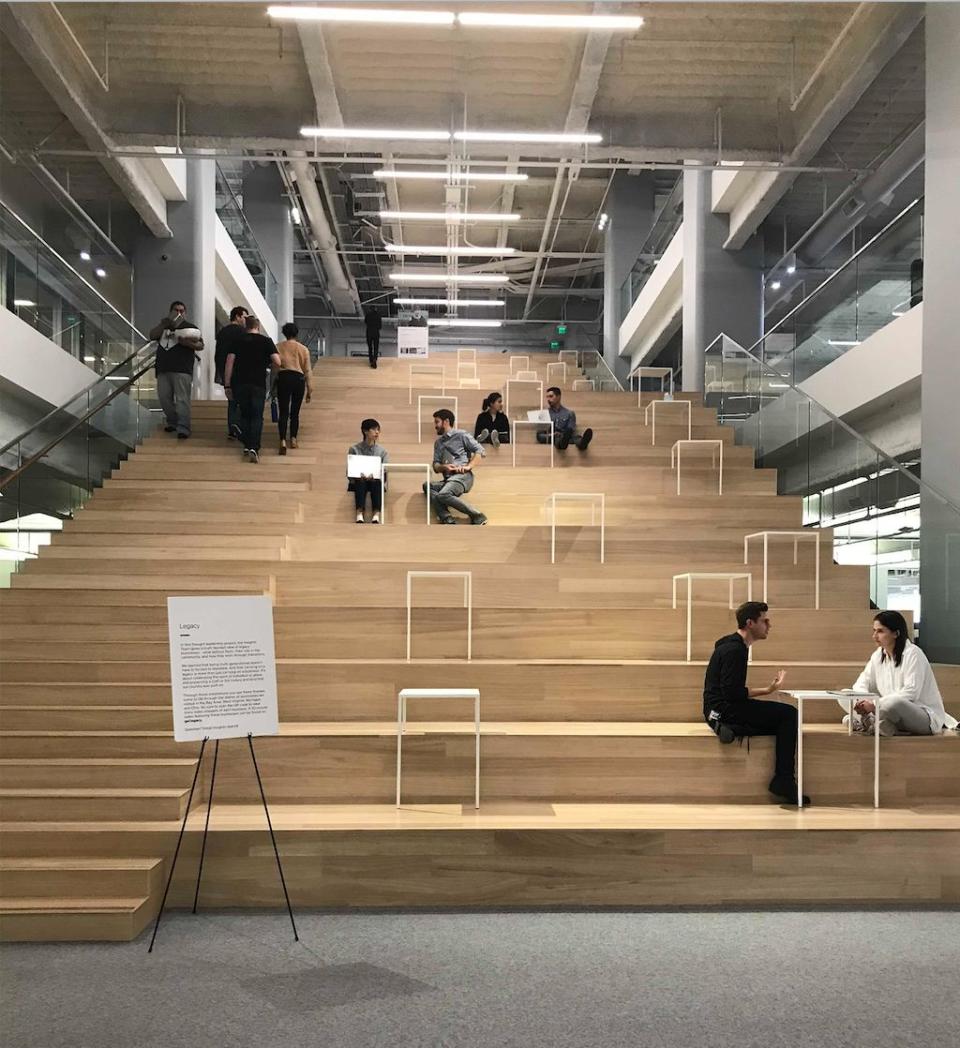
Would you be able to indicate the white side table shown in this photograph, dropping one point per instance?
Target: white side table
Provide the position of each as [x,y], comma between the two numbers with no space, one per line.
[425,369]
[526,422]
[664,374]
[650,411]
[404,467]
[675,455]
[516,365]
[834,696]
[730,576]
[439,693]
[467,577]
[806,533]
[595,498]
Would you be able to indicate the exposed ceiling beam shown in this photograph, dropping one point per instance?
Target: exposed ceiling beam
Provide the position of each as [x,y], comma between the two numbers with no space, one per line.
[37,33]
[874,34]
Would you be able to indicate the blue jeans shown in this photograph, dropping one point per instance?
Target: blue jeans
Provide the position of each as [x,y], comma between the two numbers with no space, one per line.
[250,400]
[233,418]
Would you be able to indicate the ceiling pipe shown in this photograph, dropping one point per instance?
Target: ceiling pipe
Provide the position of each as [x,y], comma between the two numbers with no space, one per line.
[852,206]
[341,293]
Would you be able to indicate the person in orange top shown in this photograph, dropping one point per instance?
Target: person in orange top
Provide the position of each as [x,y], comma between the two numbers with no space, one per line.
[293,380]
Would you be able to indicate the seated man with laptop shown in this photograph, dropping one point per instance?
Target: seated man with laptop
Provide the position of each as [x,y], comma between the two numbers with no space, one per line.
[564,424]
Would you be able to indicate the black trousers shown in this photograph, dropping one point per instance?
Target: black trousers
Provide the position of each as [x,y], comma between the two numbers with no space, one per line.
[291,386]
[373,346]
[361,488]
[250,400]
[757,717]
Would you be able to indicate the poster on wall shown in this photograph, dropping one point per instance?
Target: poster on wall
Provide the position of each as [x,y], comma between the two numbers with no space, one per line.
[222,667]
[412,333]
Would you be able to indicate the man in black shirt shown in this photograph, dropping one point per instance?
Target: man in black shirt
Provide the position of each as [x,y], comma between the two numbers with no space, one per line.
[174,366]
[728,705]
[229,335]
[245,381]
[373,322]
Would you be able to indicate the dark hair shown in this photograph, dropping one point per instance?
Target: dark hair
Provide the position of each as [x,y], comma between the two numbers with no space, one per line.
[290,330]
[555,389]
[368,423]
[177,302]
[251,322]
[752,610]
[894,621]
[237,311]
[446,414]
[487,401]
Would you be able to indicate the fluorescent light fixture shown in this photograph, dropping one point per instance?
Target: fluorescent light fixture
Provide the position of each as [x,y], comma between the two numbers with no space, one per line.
[84,256]
[89,360]
[775,285]
[379,16]
[392,133]
[842,342]
[385,175]
[99,272]
[451,216]
[117,378]
[449,302]
[399,277]
[526,136]
[438,249]
[535,21]
[295,215]
[25,302]
[465,323]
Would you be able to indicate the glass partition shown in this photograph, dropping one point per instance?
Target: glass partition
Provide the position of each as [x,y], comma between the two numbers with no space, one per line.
[665,225]
[230,212]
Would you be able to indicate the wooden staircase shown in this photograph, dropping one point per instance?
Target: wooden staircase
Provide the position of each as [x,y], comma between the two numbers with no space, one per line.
[600,782]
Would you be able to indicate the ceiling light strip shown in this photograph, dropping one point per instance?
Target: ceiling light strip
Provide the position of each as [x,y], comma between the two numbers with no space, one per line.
[400,277]
[491,19]
[527,136]
[390,133]
[380,16]
[449,302]
[449,216]
[465,323]
[441,249]
[447,176]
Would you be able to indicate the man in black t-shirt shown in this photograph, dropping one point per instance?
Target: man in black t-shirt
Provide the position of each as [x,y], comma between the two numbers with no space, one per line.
[229,335]
[245,382]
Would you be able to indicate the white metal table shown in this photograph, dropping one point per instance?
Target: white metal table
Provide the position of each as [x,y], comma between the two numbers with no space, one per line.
[526,422]
[650,372]
[730,576]
[650,412]
[809,696]
[806,533]
[675,456]
[467,577]
[425,369]
[404,467]
[439,693]
[573,496]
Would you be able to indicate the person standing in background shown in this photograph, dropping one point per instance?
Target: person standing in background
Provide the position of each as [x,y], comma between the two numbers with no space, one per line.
[175,361]
[228,336]
[373,322]
[245,380]
[293,380]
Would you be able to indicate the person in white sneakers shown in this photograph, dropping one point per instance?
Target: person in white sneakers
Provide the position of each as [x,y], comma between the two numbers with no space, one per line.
[899,673]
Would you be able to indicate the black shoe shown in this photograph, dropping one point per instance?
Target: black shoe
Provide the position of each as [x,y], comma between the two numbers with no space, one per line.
[785,790]
[584,442]
[183,436]
[235,432]
[479,519]
[726,734]
[564,442]
[169,429]
[446,520]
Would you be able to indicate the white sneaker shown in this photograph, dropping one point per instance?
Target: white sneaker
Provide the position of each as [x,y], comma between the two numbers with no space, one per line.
[254,455]
[495,438]
[482,435]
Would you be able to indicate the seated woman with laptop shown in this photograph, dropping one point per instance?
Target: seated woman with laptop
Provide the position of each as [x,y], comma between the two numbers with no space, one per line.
[365,461]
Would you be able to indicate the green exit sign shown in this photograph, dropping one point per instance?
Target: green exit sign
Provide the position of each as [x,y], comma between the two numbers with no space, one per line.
[561,329]
[555,343]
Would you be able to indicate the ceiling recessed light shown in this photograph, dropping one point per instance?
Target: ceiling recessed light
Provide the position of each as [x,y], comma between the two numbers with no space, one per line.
[450,216]
[393,134]
[84,256]
[775,285]
[791,270]
[382,16]
[100,272]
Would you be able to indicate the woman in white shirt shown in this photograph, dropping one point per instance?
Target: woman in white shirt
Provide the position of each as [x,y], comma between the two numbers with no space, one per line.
[898,671]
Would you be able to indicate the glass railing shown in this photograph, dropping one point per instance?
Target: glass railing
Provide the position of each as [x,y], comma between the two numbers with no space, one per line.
[47,292]
[48,472]
[230,213]
[811,321]
[665,225]
[868,495]
[596,368]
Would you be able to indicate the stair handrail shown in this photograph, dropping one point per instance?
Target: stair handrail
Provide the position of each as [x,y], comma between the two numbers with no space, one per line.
[606,366]
[773,373]
[75,424]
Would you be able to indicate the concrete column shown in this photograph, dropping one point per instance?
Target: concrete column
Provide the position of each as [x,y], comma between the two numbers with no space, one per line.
[940,378]
[722,290]
[630,206]
[268,212]
[183,267]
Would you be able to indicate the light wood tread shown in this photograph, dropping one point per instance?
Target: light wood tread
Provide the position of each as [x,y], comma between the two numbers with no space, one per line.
[71,905]
[93,793]
[98,762]
[75,863]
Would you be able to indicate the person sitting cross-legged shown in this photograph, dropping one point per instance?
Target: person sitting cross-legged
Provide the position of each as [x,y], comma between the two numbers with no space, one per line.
[564,425]
[729,706]
[492,425]
[455,455]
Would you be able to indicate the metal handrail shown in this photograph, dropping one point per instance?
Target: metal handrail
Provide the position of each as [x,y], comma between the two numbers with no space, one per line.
[839,421]
[601,359]
[50,445]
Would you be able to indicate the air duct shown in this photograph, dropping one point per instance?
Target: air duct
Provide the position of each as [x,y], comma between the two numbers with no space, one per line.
[342,295]
[850,209]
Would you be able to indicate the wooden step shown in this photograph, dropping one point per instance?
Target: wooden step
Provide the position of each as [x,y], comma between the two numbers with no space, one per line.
[70,805]
[97,772]
[78,877]
[95,919]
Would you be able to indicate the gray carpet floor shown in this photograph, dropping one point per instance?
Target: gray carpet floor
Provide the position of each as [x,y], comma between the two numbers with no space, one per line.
[442,980]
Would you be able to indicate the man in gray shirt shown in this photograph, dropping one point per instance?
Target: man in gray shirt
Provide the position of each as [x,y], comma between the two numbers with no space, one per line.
[455,453]
[564,425]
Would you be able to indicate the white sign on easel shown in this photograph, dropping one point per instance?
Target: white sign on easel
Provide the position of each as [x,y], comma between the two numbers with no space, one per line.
[413,341]
[222,667]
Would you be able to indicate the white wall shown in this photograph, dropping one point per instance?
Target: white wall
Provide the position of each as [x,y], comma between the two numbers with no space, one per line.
[653,317]
[235,285]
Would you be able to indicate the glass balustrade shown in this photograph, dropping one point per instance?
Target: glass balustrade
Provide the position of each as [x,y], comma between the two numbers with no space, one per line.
[230,213]
[665,225]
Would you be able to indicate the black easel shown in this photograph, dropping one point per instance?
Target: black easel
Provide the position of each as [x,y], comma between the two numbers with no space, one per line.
[206,827]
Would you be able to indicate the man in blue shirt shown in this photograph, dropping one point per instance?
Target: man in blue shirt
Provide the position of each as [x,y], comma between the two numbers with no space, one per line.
[564,425]
[455,454]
